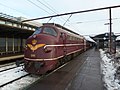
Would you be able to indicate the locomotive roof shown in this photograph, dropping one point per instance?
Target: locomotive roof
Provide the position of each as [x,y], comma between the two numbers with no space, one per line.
[57,25]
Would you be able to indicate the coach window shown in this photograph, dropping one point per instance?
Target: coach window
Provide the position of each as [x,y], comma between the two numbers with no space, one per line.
[50,31]
[68,37]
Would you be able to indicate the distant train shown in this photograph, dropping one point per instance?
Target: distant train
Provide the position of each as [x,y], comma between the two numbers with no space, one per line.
[50,46]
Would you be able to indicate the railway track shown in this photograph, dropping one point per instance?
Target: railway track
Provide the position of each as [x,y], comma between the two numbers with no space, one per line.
[8,66]
[11,75]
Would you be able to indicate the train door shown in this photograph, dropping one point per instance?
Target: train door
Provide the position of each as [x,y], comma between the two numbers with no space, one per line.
[63,38]
[84,45]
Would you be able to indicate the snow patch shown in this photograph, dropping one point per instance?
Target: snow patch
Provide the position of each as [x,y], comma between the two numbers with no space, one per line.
[109,68]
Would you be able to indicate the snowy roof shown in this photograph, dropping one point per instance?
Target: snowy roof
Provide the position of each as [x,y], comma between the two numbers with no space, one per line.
[34,23]
[118,38]
[89,39]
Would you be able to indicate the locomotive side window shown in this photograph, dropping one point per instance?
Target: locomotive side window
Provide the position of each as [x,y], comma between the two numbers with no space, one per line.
[37,31]
[50,31]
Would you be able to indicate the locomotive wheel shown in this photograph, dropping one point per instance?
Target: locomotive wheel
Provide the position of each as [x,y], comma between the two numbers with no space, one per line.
[58,63]
[69,57]
[65,59]
[61,61]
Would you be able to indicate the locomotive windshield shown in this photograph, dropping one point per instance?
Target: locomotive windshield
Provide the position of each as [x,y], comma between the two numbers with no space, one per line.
[37,30]
[50,31]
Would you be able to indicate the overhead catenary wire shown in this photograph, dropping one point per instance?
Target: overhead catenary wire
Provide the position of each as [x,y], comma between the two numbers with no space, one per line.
[46,6]
[92,21]
[50,8]
[49,20]
[67,20]
[33,4]
[41,7]
[38,6]
[77,12]
[13,9]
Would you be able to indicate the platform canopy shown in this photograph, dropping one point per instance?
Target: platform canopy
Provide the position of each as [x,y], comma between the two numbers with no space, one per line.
[88,38]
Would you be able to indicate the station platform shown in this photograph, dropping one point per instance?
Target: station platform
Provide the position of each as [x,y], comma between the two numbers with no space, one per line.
[11,56]
[81,73]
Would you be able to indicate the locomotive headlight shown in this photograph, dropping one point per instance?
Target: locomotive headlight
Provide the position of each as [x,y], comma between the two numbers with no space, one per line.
[25,46]
[34,42]
[47,49]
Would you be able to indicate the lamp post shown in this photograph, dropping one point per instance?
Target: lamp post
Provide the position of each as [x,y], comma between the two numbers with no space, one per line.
[110,19]
[110,30]
[108,36]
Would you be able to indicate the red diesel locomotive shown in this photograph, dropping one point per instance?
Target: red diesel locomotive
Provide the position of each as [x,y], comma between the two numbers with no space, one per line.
[50,46]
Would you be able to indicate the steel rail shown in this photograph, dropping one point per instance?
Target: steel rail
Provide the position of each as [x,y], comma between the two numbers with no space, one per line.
[13,80]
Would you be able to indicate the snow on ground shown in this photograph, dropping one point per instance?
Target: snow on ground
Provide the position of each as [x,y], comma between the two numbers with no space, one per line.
[14,73]
[21,84]
[109,67]
[4,67]
[11,74]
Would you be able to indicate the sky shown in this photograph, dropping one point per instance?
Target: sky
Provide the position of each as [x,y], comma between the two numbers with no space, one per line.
[90,23]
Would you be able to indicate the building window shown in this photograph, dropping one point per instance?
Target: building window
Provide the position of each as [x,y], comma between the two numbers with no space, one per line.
[2,45]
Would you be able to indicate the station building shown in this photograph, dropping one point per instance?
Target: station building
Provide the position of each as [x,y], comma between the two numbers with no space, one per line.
[13,34]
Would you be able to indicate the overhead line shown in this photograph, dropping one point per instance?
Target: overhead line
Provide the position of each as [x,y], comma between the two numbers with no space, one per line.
[50,6]
[38,6]
[67,20]
[79,22]
[46,6]
[73,13]
[13,9]
[53,9]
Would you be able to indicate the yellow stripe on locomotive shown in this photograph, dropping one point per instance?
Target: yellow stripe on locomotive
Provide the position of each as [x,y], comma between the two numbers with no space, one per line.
[33,48]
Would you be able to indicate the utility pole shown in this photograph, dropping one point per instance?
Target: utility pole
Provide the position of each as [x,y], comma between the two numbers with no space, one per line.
[110,33]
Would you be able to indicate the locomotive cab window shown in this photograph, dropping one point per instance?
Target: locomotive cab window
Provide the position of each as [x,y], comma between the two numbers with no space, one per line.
[37,30]
[50,31]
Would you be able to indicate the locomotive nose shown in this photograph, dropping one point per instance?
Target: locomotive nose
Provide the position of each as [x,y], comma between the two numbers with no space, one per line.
[35,47]
[35,42]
